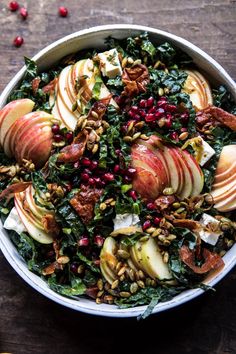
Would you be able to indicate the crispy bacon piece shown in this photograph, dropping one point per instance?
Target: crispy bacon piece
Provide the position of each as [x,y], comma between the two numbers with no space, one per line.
[164,201]
[92,292]
[222,116]
[50,86]
[72,152]
[50,225]
[187,223]
[51,268]
[35,84]
[135,79]
[212,260]
[9,192]
[84,202]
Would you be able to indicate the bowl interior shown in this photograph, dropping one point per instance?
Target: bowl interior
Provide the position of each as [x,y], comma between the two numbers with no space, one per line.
[94,38]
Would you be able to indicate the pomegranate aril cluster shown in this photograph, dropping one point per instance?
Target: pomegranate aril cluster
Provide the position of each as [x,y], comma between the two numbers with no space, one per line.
[159,112]
[59,135]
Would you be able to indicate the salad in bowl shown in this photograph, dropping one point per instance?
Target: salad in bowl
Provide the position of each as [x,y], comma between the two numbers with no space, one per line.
[117,173]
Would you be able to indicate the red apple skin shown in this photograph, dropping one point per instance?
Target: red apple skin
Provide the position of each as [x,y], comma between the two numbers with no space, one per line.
[19,127]
[151,177]
[40,152]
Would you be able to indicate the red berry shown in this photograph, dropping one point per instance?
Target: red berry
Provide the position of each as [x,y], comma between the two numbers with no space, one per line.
[183,130]
[174,136]
[157,220]
[143,104]
[98,240]
[116,168]
[150,102]
[85,161]
[93,165]
[85,177]
[146,225]
[151,206]
[91,181]
[127,179]
[57,138]
[171,108]
[76,164]
[55,128]
[130,171]
[168,123]
[133,195]
[98,181]
[63,12]
[24,13]
[150,117]
[69,137]
[13,6]
[74,268]
[108,177]
[83,241]
[18,41]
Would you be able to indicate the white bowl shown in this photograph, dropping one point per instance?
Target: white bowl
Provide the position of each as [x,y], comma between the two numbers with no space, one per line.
[94,37]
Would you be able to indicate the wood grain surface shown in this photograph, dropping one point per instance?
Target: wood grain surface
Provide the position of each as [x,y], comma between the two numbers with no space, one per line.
[30,323]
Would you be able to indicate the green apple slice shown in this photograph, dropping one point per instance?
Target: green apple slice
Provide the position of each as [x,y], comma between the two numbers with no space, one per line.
[152,261]
[108,260]
[36,233]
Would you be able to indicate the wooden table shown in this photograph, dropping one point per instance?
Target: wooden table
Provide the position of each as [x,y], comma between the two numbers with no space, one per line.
[30,323]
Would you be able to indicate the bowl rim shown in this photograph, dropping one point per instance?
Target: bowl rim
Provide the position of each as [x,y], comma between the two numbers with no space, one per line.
[22,269]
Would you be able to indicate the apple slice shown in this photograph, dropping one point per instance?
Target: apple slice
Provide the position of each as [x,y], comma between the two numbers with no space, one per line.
[152,261]
[187,188]
[228,173]
[36,233]
[108,260]
[136,257]
[198,178]
[198,88]
[175,171]
[11,112]
[229,199]
[220,193]
[67,117]
[224,181]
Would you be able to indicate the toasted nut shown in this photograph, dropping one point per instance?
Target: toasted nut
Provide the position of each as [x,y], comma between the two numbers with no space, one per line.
[176,205]
[133,288]
[63,260]
[115,284]
[95,149]
[123,254]
[161,122]
[139,125]
[122,277]
[108,201]
[100,293]
[171,237]
[141,284]
[136,136]
[128,139]
[113,203]
[100,284]
[121,271]
[180,210]
[125,294]
[160,91]
[157,64]
[80,269]
[150,230]
[156,232]
[144,137]
[137,62]
[131,274]
[118,266]
[130,127]
[103,206]
[124,62]
[105,124]
[141,274]
[130,60]
[98,300]
[166,257]
[183,136]
[168,191]
[94,114]
[84,124]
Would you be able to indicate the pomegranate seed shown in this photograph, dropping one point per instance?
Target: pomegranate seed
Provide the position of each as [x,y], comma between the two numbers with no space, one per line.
[159,113]
[130,171]
[146,225]
[150,117]
[157,220]
[142,113]
[118,152]
[74,268]
[183,130]
[63,12]
[99,240]
[137,117]
[150,102]
[18,41]
[127,179]
[98,181]
[184,118]
[93,165]
[55,128]
[152,110]
[174,136]
[85,177]
[13,6]
[69,137]
[108,177]
[168,123]
[83,241]
[171,108]
[68,187]
[76,164]
[131,114]
[85,161]
[24,13]
[116,169]
[143,103]
[161,103]
[134,109]
[91,181]
[57,138]
[151,206]
[133,195]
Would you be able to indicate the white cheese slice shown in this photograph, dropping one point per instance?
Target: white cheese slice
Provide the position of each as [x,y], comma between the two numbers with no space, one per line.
[207,153]
[210,237]
[125,220]
[13,222]
[110,64]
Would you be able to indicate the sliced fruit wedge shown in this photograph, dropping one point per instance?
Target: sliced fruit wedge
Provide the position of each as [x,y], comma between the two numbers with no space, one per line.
[187,187]
[198,178]
[108,260]
[226,202]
